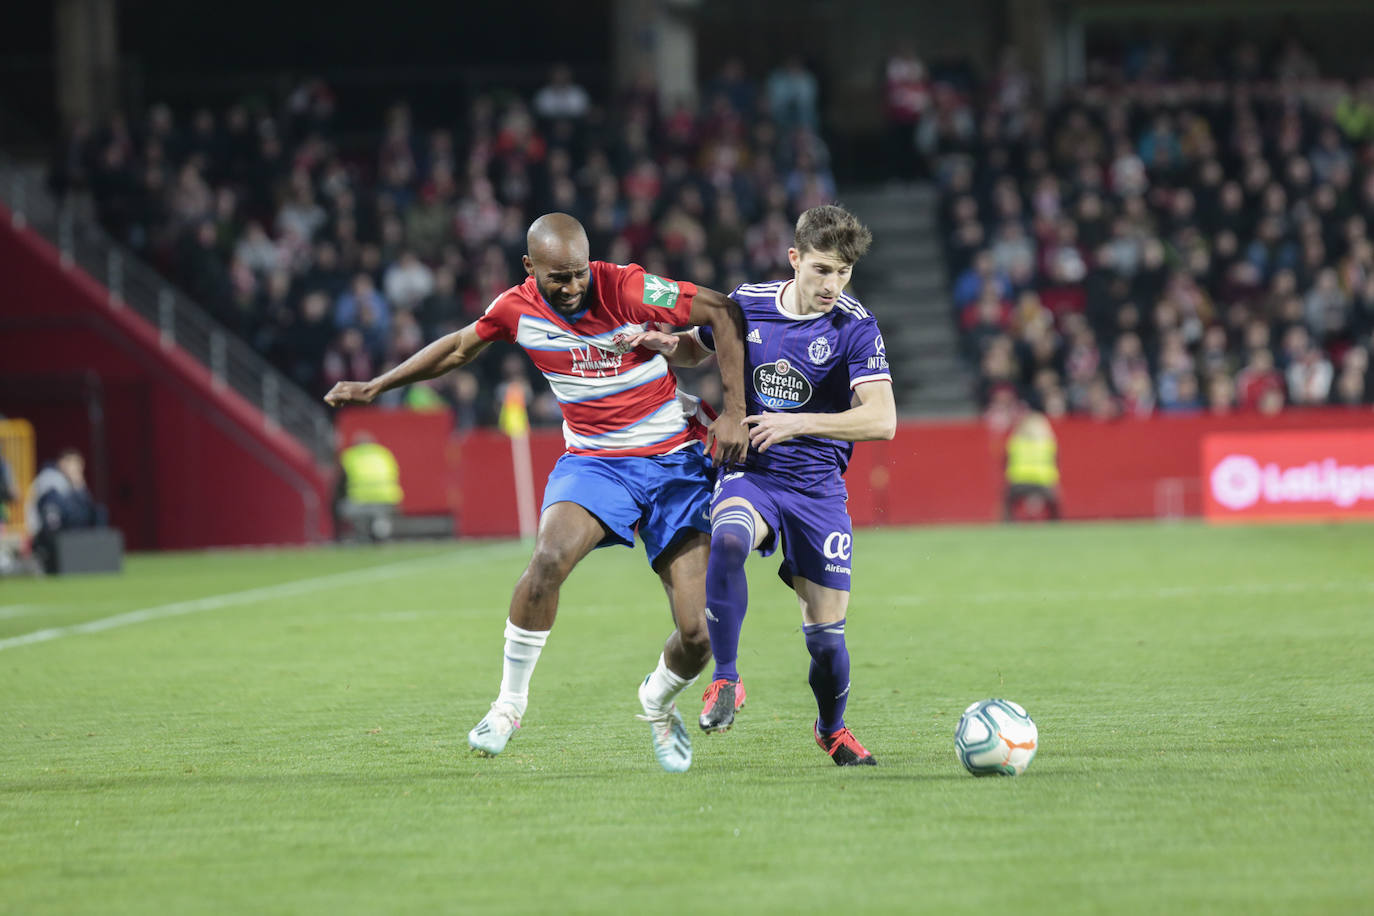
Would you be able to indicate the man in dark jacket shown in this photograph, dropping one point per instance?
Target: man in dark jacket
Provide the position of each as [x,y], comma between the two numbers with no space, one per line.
[58,501]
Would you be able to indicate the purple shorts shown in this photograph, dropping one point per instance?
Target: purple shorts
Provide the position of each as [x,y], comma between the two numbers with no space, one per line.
[817,535]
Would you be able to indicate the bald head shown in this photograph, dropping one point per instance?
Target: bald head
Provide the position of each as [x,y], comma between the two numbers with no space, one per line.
[558,260]
[554,236]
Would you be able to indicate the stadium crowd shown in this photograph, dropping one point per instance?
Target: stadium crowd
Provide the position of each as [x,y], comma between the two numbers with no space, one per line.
[337,260]
[1151,243]
[1159,243]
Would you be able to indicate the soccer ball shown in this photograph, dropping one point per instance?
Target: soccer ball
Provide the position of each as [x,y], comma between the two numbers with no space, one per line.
[995,738]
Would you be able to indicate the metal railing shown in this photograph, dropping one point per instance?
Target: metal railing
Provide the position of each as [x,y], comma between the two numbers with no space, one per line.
[181,324]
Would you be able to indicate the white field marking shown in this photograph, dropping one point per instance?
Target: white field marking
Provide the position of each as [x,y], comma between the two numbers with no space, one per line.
[1173,591]
[248,596]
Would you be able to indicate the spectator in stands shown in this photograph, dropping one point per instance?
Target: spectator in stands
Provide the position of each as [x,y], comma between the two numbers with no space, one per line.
[256,251]
[793,96]
[345,358]
[361,296]
[307,340]
[562,98]
[1258,380]
[1353,382]
[1309,376]
[1221,394]
[1099,402]
[1014,254]
[971,283]
[464,395]
[987,319]
[1128,361]
[906,95]
[408,281]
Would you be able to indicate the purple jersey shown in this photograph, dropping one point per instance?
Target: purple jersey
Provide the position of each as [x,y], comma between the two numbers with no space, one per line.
[809,363]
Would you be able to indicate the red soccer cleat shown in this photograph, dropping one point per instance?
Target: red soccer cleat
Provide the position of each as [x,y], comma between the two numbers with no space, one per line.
[722,699]
[844,748]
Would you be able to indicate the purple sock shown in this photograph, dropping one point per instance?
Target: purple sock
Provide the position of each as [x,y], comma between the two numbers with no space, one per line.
[727,588]
[829,672]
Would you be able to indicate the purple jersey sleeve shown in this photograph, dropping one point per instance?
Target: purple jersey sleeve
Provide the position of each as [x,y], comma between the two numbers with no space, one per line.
[866,354]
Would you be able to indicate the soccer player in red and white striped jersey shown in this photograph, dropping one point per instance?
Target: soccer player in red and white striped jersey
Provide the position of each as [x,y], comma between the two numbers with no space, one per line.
[636,457]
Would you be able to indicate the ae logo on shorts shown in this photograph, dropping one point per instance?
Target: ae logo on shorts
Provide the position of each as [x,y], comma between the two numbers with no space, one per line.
[837,546]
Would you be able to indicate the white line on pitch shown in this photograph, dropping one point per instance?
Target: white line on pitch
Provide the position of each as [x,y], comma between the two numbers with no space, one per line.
[229,599]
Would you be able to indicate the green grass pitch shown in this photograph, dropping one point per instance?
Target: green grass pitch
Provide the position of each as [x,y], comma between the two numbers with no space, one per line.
[285,732]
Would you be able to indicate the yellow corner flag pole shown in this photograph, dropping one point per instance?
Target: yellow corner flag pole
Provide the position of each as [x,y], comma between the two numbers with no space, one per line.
[515,422]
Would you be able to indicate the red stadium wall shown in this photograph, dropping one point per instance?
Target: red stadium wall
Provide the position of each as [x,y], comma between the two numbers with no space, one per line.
[931,472]
[179,462]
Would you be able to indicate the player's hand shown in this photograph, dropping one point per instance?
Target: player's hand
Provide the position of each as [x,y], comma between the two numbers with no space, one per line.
[771,428]
[727,439]
[659,341]
[345,393]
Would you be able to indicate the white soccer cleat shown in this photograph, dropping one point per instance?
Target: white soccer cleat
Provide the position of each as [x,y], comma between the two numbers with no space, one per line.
[672,744]
[490,735]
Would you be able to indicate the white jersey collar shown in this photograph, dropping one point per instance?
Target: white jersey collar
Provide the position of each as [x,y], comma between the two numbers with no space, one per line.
[788,314]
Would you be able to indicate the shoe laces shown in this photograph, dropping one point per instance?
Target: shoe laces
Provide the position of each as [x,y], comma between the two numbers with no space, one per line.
[713,690]
[662,721]
[845,738]
[503,715]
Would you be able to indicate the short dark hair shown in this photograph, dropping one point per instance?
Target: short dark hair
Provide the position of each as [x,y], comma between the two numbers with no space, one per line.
[832,228]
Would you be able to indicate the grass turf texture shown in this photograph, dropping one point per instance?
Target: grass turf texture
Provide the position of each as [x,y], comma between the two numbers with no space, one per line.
[1203,696]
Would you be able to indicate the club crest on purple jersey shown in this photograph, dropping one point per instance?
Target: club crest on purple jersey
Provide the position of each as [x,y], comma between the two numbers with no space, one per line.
[819,351]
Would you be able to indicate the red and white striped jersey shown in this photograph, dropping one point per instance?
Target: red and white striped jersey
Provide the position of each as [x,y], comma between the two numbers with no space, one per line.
[616,401]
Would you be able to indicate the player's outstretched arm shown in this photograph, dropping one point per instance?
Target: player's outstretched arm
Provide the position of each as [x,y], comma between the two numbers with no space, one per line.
[873,416]
[443,355]
[680,350]
[726,319]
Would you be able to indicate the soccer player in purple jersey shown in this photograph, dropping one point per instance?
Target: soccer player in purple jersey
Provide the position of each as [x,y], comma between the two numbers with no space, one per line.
[817,381]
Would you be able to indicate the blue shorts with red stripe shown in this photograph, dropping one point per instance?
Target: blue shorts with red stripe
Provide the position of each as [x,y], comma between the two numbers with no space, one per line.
[663,497]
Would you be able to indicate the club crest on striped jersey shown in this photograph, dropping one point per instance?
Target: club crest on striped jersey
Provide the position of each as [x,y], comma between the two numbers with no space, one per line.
[780,386]
[660,292]
[819,351]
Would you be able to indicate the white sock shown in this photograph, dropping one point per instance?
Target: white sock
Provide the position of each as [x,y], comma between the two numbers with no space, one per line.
[663,685]
[522,654]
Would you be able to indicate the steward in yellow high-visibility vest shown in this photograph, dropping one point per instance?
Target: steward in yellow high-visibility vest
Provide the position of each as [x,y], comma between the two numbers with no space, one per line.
[1032,466]
[371,490]
[372,473]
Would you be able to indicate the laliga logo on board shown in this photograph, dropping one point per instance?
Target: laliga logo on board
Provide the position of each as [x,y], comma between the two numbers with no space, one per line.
[1239,482]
